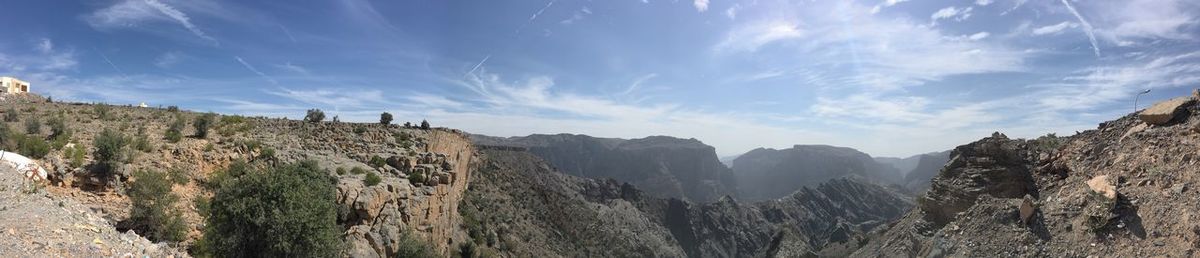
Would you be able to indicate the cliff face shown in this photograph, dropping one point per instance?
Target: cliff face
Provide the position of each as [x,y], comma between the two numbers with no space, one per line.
[771,173]
[1115,191]
[664,166]
[918,179]
[534,211]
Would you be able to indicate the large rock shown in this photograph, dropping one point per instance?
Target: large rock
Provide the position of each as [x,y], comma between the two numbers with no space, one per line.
[1163,112]
[1101,186]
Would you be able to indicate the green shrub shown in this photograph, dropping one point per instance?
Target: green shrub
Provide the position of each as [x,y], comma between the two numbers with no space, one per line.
[58,126]
[314,116]
[140,143]
[203,205]
[175,130]
[235,169]
[32,146]
[411,246]
[288,211]
[267,154]
[11,115]
[202,123]
[154,214]
[424,125]
[173,109]
[178,176]
[75,155]
[377,161]
[372,179]
[109,152]
[102,111]
[358,171]
[341,171]
[359,130]
[416,178]
[33,126]
[385,118]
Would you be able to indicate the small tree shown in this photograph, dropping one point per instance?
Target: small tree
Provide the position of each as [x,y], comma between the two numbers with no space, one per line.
[287,211]
[109,152]
[33,125]
[202,123]
[175,130]
[314,116]
[424,125]
[154,214]
[385,118]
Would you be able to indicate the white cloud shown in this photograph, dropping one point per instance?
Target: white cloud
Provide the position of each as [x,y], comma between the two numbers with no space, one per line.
[731,12]
[577,16]
[979,36]
[1130,21]
[131,13]
[884,4]
[341,98]
[293,68]
[1054,29]
[45,46]
[955,13]
[701,5]
[983,2]
[753,36]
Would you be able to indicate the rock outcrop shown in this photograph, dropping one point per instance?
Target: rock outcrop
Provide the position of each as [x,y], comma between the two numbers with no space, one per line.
[1163,112]
[769,173]
[1109,192]
[663,166]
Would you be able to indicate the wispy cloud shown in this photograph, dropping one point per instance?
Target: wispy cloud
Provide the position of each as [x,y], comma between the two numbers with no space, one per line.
[130,13]
[577,16]
[637,83]
[534,17]
[293,68]
[1087,27]
[255,70]
[1054,29]
[168,59]
[955,13]
[885,4]
[751,37]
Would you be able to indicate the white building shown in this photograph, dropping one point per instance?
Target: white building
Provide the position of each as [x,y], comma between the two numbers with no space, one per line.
[13,85]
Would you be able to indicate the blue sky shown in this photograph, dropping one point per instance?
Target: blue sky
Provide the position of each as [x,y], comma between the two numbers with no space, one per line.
[890,77]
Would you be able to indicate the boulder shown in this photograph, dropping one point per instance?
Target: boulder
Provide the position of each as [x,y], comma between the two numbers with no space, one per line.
[1026,209]
[1163,112]
[1101,185]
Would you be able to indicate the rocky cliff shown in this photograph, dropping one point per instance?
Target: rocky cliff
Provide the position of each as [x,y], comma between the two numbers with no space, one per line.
[918,179]
[520,206]
[1115,191]
[663,166]
[771,173]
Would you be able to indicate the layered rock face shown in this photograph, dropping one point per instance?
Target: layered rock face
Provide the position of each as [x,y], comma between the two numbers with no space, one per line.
[663,166]
[770,173]
[918,179]
[1116,191]
[535,211]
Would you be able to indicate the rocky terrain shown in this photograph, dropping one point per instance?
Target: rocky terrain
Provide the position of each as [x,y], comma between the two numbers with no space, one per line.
[1122,190]
[918,179]
[662,166]
[771,173]
[520,206]
[374,215]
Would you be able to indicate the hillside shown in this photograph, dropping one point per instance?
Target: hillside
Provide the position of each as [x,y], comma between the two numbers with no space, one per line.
[521,207]
[1120,190]
[771,173]
[662,166]
[373,215]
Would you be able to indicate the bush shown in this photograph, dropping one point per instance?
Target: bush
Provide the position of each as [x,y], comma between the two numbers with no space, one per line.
[178,176]
[173,109]
[377,161]
[424,125]
[412,247]
[372,179]
[385,118]
[235,169]
[109,152]
[58,126]
[11,115]
[175,130]
[140,142]
[33,126]
[358,171]
[359,130]
[416,178]
[75,155]
[314,116]
[202,123]
[267,154]
[102,111]
[154,214]
[288,211]
[32,146]
[341,171]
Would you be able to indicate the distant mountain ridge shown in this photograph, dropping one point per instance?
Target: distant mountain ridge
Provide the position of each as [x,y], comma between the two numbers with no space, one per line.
[770,173]
[664,166]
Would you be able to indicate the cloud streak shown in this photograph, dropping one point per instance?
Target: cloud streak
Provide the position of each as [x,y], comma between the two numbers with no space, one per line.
[1087,27]
[255,70]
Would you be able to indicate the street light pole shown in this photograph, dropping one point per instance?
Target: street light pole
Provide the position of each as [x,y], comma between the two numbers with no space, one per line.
[1135,99]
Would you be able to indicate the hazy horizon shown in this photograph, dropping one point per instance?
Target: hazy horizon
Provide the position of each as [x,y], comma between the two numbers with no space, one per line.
[891,78]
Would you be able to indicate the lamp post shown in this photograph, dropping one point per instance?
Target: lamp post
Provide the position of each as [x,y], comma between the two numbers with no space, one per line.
[1135,99]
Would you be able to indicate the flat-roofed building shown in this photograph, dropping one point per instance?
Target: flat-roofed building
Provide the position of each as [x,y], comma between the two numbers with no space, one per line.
[13,85]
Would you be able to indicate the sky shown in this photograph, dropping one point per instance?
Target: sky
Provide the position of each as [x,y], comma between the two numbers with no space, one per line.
[888,77]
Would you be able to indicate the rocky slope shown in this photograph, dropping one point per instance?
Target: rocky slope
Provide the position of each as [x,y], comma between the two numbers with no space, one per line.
[519,206]
[1121,190]
[374,216]
[34,223]
[663,166]
[771,173]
